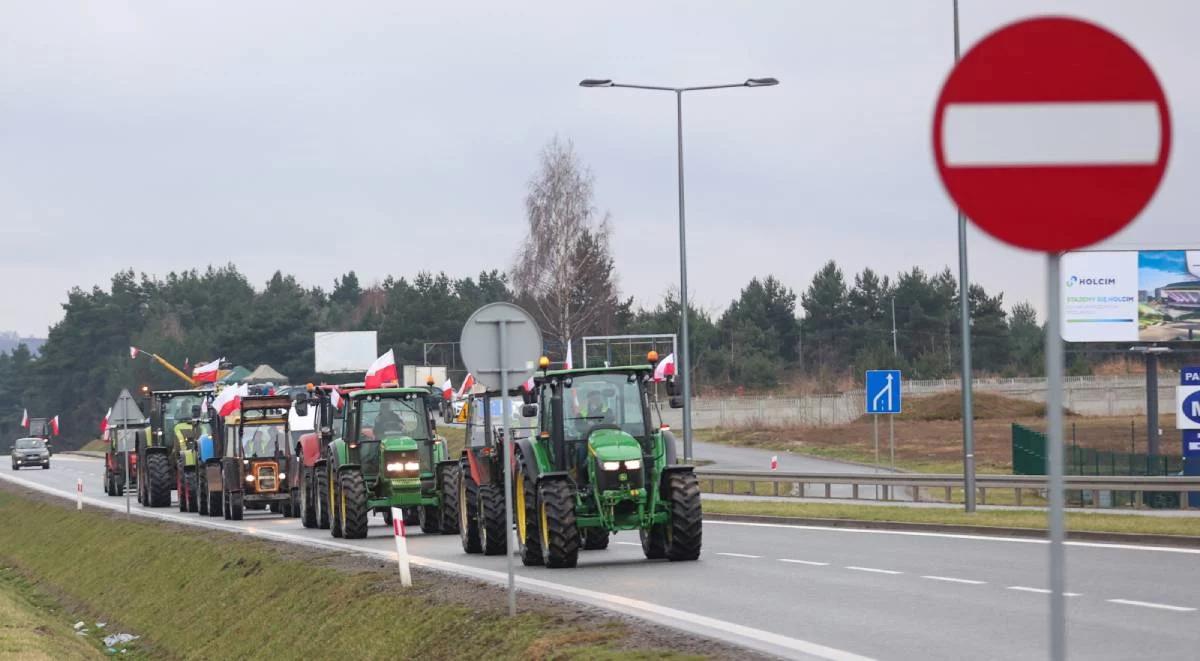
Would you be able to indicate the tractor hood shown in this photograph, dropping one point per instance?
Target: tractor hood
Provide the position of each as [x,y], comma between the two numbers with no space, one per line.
[613,445]
[397,443]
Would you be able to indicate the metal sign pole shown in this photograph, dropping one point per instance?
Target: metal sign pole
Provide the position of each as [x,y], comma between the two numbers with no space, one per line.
[892,439]
[124,444]
[875,419]
[1054,443]
[508,467]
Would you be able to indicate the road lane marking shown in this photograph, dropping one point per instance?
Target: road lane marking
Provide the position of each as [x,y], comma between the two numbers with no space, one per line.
[804,562]
[948,535]
[740,555]
[731,632]
[1151,604]
[951,579]
[629,543]
[1022,588]
[874,570]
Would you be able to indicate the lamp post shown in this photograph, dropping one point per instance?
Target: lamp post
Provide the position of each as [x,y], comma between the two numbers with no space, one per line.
[685,363]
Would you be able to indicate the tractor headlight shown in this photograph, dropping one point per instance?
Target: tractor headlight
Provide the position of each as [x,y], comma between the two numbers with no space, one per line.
[395,468]
[412,466]
[249,478]
[245,462]
[633,464]
[612,465]
[283,476]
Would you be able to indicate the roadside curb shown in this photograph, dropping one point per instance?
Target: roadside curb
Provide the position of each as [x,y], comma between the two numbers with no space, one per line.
[1179,541]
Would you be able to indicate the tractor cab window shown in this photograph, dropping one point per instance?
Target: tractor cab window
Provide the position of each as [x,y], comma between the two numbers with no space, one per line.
[379,417]
[263,440]
[177,413]
[476,430]
[602,399]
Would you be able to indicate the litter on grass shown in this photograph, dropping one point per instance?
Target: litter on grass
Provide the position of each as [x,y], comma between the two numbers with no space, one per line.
[119,639]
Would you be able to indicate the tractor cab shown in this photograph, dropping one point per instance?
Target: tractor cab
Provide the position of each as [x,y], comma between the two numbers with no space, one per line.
[389,431]
[257,457]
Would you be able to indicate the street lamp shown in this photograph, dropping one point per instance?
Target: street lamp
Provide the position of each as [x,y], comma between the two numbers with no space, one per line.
[685,362]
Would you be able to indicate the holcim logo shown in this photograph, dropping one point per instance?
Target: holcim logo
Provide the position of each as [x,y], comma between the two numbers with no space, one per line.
[1075,280]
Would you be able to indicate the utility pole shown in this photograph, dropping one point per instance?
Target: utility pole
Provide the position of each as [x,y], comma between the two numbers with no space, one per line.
[895,347]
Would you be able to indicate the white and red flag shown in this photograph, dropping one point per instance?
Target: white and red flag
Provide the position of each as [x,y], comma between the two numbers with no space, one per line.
[207,373]
[382,371]
[104,422]
[665,368]
[528,385]
[335,398]
[54,426]
[133,352]
[447,390]
[229,398]
[467,384]
[570,362]
[25,418]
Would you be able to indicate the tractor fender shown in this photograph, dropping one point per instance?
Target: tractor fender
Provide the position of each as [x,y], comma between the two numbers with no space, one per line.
[677,468]
[524,447]
[309,449]
[556,476]
[669,445]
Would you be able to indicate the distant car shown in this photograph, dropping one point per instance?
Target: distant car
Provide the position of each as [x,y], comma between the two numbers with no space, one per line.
[30,452]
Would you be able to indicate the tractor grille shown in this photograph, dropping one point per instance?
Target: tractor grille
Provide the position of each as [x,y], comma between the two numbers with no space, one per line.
[404,458]
[266,476]
[612,480]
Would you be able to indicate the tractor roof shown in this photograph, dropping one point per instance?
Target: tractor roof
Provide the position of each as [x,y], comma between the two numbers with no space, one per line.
[616,369]
[388,391]
[181,393]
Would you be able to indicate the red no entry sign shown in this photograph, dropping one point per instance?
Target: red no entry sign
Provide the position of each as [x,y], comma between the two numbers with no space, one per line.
[1051,134]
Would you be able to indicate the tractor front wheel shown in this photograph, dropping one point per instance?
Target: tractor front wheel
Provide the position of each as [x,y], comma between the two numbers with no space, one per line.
[684,531]
[468,514]
[492,520]
[237,506]
[353,504]
[430,519]
[529,538]
[308,509]
[556,519]
[595,539]
[201,494]
[321,498]
[448,511]
[190,482]
[158,474]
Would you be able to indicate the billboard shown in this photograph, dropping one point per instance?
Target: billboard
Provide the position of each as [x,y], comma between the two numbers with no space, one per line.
[1131,296]
[339,353]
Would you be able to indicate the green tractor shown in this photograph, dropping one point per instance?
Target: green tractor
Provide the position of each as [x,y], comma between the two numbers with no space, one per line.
[388,456]
[164,459]
[599,466]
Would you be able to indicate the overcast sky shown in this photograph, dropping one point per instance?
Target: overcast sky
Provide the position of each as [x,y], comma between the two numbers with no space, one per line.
[392,137]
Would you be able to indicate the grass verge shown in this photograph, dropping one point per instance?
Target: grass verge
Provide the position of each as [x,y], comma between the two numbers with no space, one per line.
[1118,523]
[205,594]
[33,627]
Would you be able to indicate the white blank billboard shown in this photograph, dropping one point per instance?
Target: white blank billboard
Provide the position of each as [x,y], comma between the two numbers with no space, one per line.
[338,353]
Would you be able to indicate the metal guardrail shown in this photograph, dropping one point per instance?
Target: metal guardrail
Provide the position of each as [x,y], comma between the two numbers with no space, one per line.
[917,481]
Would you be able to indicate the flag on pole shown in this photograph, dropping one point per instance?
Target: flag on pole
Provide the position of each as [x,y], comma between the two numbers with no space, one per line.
[133,352]
[104,422]
[570,362]
[665,368]
[207,373]
[528,385]
[54,426]
[447,390]
[382,371]
[228,400]
[467,384]
[335,398]
[25,418]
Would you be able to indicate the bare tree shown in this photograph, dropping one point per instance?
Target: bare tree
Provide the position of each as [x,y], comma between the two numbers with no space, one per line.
[564,266]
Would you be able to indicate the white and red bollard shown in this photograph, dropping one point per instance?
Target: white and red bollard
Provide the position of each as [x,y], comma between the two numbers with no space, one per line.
[774,462]
[79,494]
[401,546]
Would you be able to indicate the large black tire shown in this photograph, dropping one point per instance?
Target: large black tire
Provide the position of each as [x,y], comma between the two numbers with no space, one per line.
[387,517]
[308,505]
[654,542]
[594,539]
[158,474]
[451,474]
[529,536]
[492,520]
[181,489]
[334,500]
[353,504]
[412,516]
[430,519]
[556,512]
[293,505]
[321,501]
[687,519]
[468,514]
[107,483]
[46,466]
[225,500]
[236,506]
[201,494]
[214,501]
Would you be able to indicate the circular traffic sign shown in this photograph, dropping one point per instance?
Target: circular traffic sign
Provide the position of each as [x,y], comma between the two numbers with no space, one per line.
[487,356]
[1051,134]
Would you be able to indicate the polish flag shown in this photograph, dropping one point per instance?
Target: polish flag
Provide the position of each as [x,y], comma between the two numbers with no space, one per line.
[528,385]
[207,373]
[25,418]
[335,398]
[104,422]
[467,384]
[54,426]
[447,390]
[133,352]
[665,368]
[570,362]
[382,371]
[227,402]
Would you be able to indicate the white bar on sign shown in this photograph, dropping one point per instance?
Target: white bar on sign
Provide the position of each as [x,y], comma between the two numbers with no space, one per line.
[1071,133]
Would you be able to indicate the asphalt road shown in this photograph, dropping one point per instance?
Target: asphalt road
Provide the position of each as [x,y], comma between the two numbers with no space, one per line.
[810,592]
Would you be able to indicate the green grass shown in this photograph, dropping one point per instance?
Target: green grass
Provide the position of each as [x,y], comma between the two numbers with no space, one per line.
[200,594]
[32,626]
[96,445]
[1120,523]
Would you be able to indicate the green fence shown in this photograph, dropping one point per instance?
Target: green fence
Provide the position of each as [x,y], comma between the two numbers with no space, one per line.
[1029,458]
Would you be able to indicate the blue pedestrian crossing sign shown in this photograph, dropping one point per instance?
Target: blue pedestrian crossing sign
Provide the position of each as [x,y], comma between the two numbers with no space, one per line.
[883,391]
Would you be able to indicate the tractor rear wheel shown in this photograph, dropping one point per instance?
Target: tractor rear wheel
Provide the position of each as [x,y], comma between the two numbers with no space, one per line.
[595,539]
[201,494]
[686,523]
[335,505]
[430,519]
[158,474]
[556,519]
[448,511]
[492,520]
[529,539]
[214,500]
[321,497]
[353,504]
[654,541]
[237,506]
[308,508]
[412,516]
[468,514]
[191,481]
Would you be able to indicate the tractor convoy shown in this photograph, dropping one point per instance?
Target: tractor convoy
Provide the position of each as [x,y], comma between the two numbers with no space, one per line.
[588,460]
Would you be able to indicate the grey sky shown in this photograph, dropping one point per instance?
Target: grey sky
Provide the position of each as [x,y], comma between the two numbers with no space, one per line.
[394,137]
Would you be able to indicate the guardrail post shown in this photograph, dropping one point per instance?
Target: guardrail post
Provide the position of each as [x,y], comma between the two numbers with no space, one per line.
[949,496]
[916,494]
[1183,500]
[1137,500]
[1017,495]
[982,495]
[828,490]
[776,486]
[854,491]
[1096,498]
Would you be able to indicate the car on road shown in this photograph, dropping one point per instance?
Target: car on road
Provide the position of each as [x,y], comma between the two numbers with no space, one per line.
[30,452]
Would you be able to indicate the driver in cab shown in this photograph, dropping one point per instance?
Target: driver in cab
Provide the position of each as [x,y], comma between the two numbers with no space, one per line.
[387,421]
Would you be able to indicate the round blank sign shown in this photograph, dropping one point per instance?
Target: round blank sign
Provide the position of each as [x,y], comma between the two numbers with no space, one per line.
[481,351]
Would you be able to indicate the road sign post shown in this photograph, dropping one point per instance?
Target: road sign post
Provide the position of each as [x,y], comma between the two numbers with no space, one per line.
[500,344]
[1052,134]
[884,397]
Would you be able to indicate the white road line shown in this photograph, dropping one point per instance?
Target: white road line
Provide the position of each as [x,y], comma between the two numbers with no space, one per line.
[1151,604]
[740,555]
[804,562]
[873,570]
[947,535]
[756,639]
[629,543]
[951,579]
[1022,588]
